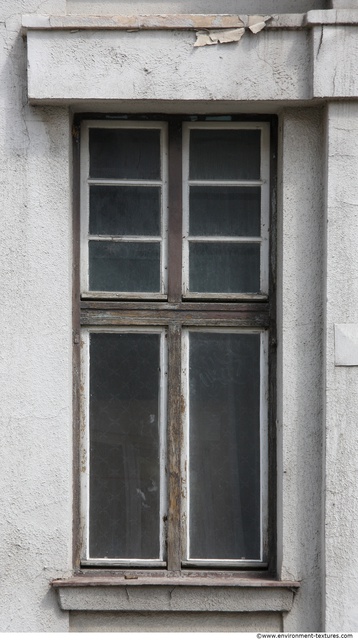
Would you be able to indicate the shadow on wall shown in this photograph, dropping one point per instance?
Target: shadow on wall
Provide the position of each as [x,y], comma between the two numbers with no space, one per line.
[112,7]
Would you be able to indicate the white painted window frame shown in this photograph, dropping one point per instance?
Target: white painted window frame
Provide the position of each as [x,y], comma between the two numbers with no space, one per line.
[85,236]
[86,560]
[263,182]
[185,466]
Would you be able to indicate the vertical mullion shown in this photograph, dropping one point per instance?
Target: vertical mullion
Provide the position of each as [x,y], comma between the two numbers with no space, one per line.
[175,212]
[174,445]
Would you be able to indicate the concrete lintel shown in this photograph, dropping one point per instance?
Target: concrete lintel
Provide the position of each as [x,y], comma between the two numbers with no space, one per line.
[99,64]
[178,21]
[335,55]
[75,59]
[153,22]
[331,16]
[187,21]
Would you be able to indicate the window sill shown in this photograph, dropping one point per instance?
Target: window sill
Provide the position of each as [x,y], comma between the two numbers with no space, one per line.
[113,593]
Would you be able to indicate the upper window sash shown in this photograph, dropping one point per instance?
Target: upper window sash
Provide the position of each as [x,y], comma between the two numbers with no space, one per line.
[248,178]
[132,180]
[225,217]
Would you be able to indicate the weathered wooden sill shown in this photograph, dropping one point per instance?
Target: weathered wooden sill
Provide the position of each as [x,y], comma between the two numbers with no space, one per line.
[120,593]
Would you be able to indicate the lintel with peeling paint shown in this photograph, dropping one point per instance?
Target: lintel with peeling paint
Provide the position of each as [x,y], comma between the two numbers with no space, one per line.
[188,21]
[74,59]
[162,21]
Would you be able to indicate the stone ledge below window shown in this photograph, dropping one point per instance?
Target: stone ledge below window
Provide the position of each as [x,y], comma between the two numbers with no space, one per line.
[83,593]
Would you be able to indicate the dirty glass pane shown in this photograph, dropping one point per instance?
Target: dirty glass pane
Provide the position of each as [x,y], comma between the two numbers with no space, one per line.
[224,445]
[223,267]
[124,445]
[125,153]
[225,211]
[119,210]
[217,154]
[124,266]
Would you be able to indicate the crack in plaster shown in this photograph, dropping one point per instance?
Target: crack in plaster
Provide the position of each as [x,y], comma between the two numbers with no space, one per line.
[334,81]
[271,67]
[320,42]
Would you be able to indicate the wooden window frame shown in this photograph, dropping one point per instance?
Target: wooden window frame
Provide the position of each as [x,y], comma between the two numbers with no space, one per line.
[177,311]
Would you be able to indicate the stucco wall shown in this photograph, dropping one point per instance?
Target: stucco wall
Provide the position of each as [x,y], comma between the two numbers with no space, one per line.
[188,622]
[300,360]
[314,258]
[341,465]
[35,344]
[112,7]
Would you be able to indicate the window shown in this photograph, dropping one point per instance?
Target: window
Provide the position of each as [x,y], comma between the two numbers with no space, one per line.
[177,327]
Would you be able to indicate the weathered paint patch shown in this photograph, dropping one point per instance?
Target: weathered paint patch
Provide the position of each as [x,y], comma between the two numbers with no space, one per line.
[224,36]
[257,23]
[218,36]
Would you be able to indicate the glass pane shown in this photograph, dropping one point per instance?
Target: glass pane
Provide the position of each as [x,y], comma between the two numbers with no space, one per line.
[224,445]
[125,153]
[132,211]
[124,266]
[124,446]
[230,154]
[223,267]
[225,211]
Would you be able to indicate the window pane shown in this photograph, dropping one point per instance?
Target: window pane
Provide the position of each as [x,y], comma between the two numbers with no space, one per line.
[124,445]
[120,211]
[125,153]
[232,154]
[225,211]
[223,267]
[224,445]
[124,266]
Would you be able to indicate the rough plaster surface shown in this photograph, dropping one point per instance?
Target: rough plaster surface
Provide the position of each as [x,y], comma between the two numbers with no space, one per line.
[98,65]
[10,11]
[35,344]
[300,363]
[336,61]
[171,622]
[112,7]
[35,338]
[341,507]
[163,598]
[344,4]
